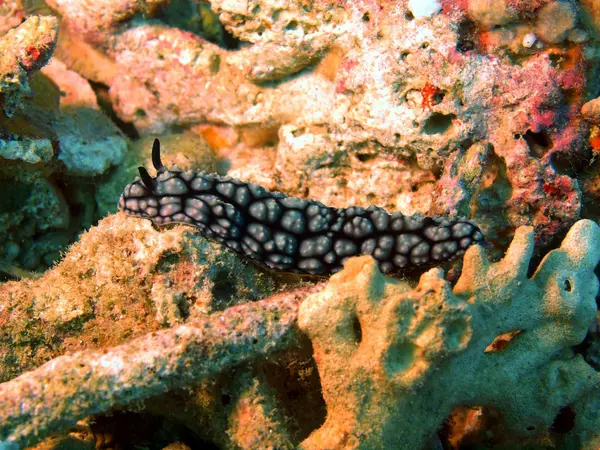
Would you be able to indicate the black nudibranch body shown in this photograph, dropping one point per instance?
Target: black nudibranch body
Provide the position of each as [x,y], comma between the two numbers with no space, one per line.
[288,233]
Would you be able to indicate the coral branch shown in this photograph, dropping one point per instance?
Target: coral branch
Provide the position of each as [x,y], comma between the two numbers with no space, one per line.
[395,361]
[57,394]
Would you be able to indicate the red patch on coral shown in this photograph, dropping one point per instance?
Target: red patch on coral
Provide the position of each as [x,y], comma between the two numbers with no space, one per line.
[561,186]
[33,52]
[484,42]
[458,7]
[428,92]
[550,189]
[595,143]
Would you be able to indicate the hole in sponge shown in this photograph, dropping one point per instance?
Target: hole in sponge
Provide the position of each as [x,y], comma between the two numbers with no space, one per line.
[291,26]
[357,330]
[400,358]
[565,164]
[438,123]
[466,36]
[564,421]
[364,157]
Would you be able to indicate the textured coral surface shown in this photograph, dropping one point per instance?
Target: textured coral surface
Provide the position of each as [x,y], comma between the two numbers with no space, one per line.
[394,361]
[382,105]
[485,110]
[460,108]
[118,282]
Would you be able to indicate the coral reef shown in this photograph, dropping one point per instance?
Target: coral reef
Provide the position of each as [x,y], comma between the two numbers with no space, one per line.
[74,386]
[481,110]
[121,280]
[25,49]
[385,111]
[394,361]
[43,137]
[384,114]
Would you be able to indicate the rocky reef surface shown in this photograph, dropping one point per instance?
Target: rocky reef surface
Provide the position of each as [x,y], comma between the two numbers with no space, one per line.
[124,335]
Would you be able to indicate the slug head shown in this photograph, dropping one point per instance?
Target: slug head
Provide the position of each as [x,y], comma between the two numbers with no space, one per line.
[139,198]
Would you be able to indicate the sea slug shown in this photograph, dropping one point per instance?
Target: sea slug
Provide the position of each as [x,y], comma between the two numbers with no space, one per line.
[289,233]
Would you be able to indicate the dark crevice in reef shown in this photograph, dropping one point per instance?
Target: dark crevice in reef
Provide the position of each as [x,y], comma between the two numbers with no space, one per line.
[296,377]
[566,163]
[101,91]
[357,330]
[365,157]
[539,252]
[564,421]
[487,201]
[466,36]
[438,123]
[142,430]
[466,144]
[15,194]
[230,42]
[589,348]
[197,17]
[223,291]
[539,143]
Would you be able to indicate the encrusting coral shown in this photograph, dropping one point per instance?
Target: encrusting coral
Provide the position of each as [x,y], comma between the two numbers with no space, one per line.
[395,361]
[383,114]
[52,136]
[121,280]
[383,104]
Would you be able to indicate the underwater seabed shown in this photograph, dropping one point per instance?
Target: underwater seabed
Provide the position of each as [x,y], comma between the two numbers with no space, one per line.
[280,124]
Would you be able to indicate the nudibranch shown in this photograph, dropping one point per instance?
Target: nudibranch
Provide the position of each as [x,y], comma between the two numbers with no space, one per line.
[288,233]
